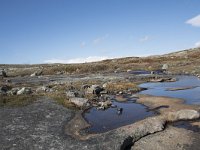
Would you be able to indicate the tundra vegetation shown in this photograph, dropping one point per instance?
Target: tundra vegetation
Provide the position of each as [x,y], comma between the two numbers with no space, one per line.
[79,87]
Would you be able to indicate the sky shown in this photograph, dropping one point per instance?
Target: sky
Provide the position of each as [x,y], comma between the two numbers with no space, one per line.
[73,31]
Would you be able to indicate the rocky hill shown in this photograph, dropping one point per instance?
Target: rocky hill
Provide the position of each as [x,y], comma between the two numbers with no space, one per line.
[181,62]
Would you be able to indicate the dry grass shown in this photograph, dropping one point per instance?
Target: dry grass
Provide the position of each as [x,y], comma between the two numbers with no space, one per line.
[17,100]
[121,86]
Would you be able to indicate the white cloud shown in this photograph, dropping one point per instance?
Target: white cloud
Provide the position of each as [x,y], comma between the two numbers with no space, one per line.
[197,44]
[83,44]
[194,21]
[100,39]
[77,60]
[144,39]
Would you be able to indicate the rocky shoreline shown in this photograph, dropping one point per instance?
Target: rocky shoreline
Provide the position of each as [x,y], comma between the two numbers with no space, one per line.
[46,112]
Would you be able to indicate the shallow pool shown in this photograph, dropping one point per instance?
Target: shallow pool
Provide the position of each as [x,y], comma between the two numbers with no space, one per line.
[191,96]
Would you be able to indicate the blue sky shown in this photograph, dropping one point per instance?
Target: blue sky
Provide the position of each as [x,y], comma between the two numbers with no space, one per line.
[39,31]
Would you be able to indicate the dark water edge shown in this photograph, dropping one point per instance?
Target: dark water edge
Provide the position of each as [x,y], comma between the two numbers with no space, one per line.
[105,120]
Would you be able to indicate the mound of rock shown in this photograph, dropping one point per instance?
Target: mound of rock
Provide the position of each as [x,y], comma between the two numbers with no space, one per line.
[184,114]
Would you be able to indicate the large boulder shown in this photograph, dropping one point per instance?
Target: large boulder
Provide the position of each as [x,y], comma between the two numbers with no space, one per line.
[185,114]
[80,102]
[24,90]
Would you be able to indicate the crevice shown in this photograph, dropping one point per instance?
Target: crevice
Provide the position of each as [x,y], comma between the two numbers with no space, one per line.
[127,144]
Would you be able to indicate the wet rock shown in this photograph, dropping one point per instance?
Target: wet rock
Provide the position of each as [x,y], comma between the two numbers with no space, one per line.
[80,102]
[185,114]
[105,105]
[24,90]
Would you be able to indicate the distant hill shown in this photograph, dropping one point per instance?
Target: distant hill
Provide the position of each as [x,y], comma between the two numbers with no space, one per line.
[185,61]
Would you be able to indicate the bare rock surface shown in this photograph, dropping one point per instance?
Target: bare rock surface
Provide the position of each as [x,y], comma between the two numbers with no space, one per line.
[170,139]
[34,127]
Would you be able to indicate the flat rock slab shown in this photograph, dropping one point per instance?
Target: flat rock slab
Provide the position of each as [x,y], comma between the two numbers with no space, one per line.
[170,139]
[34,127]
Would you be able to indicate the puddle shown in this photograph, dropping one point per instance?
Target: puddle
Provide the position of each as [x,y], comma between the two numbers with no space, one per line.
[143,72]
[191,96]
[137,72]
[105,120]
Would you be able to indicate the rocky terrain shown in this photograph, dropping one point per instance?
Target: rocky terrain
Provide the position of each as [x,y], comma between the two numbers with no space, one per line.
[42,106]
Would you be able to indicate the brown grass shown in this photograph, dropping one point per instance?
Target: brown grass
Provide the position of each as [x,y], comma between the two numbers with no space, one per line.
[121,86]
[17,100]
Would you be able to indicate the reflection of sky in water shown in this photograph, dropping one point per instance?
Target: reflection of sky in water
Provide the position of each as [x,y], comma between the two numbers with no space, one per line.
[191,96]
[102,121]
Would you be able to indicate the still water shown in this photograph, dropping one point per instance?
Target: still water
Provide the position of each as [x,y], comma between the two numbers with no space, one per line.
[191,96]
